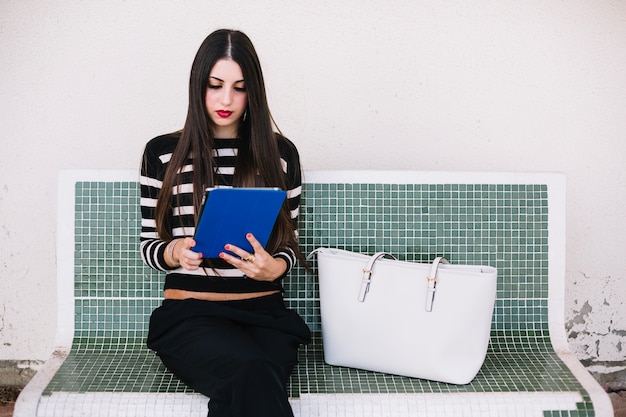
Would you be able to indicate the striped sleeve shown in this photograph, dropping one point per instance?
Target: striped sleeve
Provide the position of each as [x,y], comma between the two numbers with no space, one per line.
[290,161]
[153,165]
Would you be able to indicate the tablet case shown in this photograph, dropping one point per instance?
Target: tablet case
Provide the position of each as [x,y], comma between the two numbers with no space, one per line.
[228,214]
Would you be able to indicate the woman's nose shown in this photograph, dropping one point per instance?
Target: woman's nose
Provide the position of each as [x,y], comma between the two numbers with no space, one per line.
[227,96]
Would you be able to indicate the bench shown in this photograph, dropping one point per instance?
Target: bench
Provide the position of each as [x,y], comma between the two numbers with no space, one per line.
[514,222]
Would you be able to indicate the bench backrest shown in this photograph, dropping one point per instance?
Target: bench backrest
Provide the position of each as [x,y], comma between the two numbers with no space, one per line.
[514,222]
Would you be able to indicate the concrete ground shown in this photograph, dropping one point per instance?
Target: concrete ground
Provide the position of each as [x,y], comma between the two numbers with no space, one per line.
[8,395]
[617,398]
[6,410]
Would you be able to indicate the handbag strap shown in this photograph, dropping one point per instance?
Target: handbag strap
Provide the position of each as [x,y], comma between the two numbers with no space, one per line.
[432,281]
[367,273]
[313,252]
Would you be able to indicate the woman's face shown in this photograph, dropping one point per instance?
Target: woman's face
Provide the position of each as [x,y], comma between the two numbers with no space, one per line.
[226,98]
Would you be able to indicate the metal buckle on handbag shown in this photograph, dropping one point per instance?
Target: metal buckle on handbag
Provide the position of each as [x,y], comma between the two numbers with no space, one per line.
[432,282]
[367,273]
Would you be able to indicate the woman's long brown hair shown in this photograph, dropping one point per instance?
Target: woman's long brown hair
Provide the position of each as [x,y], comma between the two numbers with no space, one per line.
[258,160]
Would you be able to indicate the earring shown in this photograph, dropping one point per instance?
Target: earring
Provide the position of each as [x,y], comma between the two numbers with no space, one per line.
[245,115]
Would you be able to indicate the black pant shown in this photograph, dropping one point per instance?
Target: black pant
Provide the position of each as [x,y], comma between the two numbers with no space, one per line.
[238,353]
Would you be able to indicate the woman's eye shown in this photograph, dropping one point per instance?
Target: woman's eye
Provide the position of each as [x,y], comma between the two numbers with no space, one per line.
[214,87]
[242,89]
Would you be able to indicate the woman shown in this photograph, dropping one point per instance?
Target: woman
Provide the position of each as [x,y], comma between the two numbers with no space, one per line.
[223,328]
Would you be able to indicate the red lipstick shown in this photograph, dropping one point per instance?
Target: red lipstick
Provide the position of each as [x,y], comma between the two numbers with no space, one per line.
[224,113]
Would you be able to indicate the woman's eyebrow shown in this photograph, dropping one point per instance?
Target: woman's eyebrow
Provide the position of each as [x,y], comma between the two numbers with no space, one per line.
[220,80]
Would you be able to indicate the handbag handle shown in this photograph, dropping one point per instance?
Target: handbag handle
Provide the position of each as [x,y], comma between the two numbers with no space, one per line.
[432,281]
[367,273]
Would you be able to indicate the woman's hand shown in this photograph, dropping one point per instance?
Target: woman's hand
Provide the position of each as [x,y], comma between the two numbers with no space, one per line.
[184,256]
[259,265]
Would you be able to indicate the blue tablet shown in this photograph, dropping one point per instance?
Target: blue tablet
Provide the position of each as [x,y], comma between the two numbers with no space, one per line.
[228,214]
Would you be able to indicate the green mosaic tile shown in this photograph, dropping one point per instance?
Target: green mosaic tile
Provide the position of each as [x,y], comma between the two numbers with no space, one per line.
[503,225]
[531,370]
[132,370]
[468,223]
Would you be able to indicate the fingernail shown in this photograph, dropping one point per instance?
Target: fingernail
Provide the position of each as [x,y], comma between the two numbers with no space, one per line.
[249,235]
[222,254]
[227,247]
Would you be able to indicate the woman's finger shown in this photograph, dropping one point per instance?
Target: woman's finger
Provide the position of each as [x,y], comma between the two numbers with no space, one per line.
[256,245]
[189,259]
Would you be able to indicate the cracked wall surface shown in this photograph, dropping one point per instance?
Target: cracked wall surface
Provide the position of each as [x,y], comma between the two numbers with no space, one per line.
[596,320]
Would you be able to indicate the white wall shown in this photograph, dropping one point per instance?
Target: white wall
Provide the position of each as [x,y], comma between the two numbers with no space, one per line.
[405,84]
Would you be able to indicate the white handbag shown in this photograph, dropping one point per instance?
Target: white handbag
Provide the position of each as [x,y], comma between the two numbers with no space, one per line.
[429,321]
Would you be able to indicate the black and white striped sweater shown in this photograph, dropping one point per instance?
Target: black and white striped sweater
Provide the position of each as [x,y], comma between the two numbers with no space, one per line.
[222,277]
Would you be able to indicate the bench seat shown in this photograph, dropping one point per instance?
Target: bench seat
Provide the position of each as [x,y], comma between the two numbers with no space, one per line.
[514,222]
